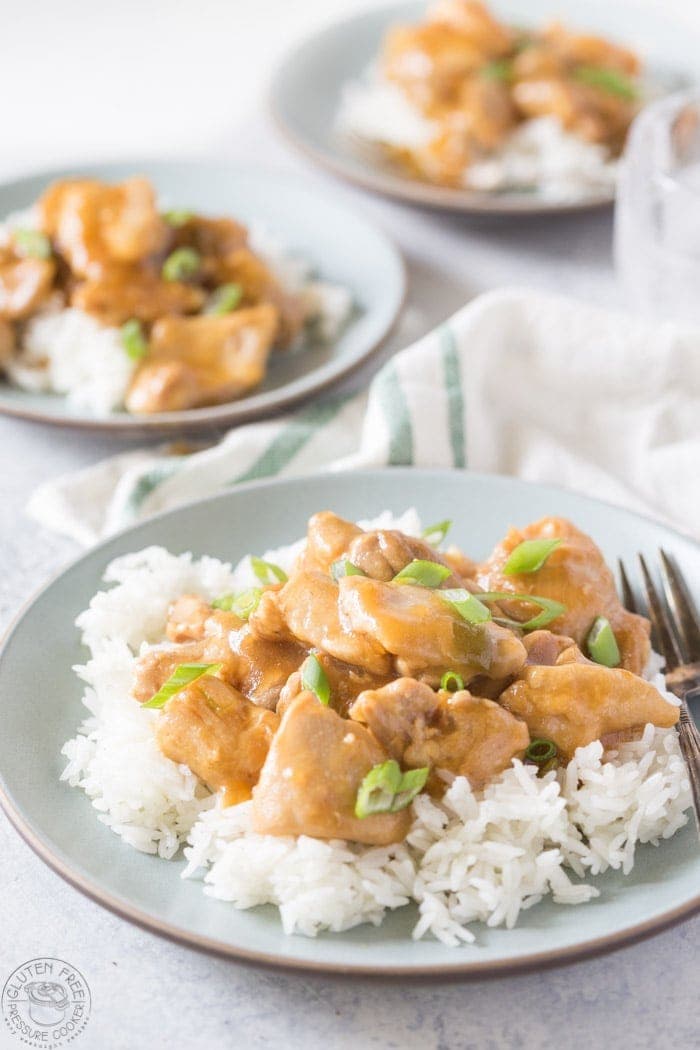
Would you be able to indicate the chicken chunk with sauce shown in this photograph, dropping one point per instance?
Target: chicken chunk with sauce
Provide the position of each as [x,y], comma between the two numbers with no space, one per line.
[576,575]
[311,777]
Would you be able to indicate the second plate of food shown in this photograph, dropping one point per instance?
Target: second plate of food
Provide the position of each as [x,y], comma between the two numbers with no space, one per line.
[518,107]
[171,296]
[436,787]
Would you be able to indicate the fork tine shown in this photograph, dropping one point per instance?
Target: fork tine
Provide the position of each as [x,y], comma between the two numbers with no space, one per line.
[686,617]
[665,640]
[628,599]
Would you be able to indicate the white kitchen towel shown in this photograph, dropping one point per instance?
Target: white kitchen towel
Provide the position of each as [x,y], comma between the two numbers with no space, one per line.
[518,383]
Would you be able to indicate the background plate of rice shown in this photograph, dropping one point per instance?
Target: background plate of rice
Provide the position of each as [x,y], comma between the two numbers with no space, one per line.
[314,83]
[293,226]
[41,709]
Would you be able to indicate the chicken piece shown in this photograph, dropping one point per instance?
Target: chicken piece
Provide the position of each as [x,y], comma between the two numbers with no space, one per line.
[95,225]
[467,735]
[306,610]
[264,666]
[486,112]
[187,618]
[573,704]
[156,665]
[445,158]
[328,537]
[7,342]
[24,284]
[383,553]
[197,361]
[461,566]
[576,49]
[310,780]
[547,649]
[221,736]
[346,682]
[576,575]
[261,286]
[422,631]
[117,294]
[475,21]
[537,62]
[592,113]
[429,63]
[212,239]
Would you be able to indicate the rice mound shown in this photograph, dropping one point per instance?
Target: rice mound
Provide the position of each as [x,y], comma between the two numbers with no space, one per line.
[474,856]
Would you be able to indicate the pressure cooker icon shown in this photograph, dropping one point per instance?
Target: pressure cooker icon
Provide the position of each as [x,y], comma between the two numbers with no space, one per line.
[48,1002]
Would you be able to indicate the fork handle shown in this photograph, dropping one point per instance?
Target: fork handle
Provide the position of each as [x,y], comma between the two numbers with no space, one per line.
[689,740]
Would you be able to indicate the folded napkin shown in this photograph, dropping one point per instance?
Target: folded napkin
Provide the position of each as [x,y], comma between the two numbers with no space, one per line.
[517,383]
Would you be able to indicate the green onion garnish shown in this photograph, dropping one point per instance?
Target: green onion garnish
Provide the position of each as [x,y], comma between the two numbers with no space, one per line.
[243,604]
[267,572]
[224,300]
[550,609]
[529,556]
[181,264]
[314,678]
[436,533]
[33,243]
[451,681]
[386,789]
[343,567]
[541,751]
[608,80]
[500,69]
[602,645]
[468,605]
[423,573]
[178,217]
[133,339]
[182,676]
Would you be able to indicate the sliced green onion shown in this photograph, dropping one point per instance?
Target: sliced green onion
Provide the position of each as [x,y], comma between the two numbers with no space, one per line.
[608,80]
[550,609]
[315,679]
[529,556]
[451,681]
[423,573]
[181,264]
[178,217]
[182,676]
[33,243]
[267,572]
[500,69]
[243,604]
[541,751]
[343,567]
[602,645]
[468,605]
[133,339]
[224,300]
[436,533]
[386,789]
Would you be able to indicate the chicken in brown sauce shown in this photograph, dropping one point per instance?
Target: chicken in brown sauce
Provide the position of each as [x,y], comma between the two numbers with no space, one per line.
[378,668]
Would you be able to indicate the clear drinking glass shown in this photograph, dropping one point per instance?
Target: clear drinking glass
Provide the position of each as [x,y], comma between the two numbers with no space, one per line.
[657,214]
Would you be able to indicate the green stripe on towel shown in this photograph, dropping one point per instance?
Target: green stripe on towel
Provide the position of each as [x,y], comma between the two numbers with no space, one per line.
[395,408]
[455,399]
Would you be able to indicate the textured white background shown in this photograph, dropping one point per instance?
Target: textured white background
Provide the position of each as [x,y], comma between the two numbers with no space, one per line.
[85,80]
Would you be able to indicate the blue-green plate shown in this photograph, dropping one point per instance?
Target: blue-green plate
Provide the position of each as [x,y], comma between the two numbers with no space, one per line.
[307,87]
[41,708]
[342,247]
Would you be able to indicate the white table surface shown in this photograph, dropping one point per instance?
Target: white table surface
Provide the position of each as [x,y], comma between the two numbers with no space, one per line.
[185,79]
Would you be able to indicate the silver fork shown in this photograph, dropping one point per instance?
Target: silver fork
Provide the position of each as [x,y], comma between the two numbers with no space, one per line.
[676,636]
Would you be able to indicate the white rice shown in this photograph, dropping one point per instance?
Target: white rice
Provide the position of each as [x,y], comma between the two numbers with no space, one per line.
[539,156]
[66,351]
[474,857]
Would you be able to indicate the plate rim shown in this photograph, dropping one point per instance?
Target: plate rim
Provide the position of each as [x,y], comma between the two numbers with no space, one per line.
[464,970]
[230,413]
[397,187]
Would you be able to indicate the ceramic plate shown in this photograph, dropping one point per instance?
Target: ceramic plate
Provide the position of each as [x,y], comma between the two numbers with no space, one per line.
[341,245]
[307,87]
[41,709]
